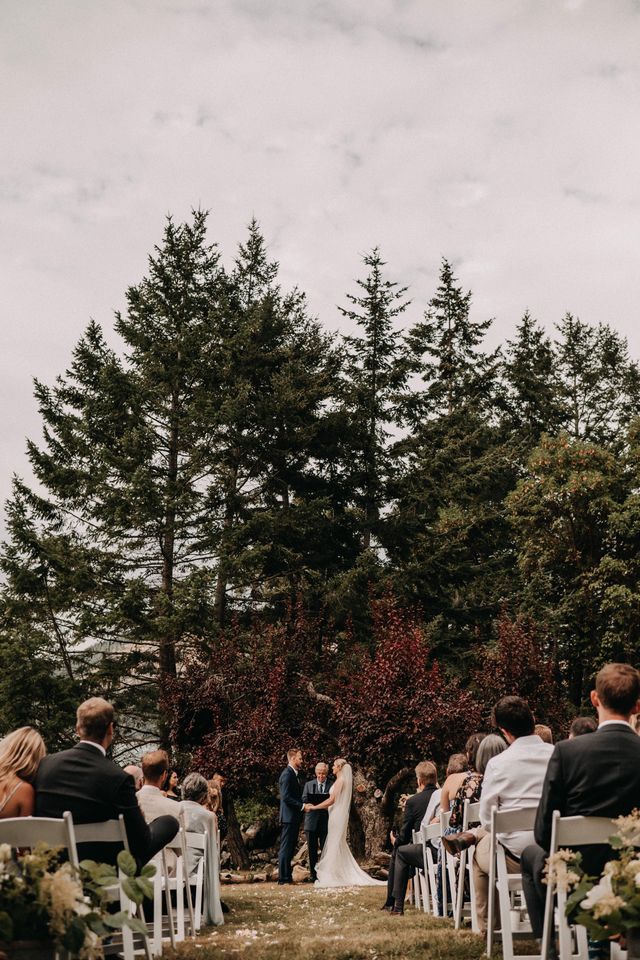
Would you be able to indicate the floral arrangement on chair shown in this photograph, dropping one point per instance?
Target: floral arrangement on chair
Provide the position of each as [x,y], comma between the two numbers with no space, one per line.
[609,906]
[43,899]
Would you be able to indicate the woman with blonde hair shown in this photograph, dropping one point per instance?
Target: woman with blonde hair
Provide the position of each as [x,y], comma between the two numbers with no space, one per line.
[20,754]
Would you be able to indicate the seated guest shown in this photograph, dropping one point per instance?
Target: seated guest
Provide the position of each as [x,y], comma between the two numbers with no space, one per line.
[20,753]
[513,778]
[197,818]
[172,789]
[151,797]
[594,776]
[135,772]
[544,732]
[582,725]
[93,789]
[414,811]
[490,747]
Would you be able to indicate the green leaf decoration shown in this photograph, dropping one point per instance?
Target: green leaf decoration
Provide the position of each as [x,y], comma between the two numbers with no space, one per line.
[6,926]
[127,863]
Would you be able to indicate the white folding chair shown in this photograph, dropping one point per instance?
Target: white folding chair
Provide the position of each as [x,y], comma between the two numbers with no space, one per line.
[198,841]
[114,831]
[470,817]
[20,832]
[571,832]
[167,882]
[431,832]
[416,883]
[508,884]
[449,864]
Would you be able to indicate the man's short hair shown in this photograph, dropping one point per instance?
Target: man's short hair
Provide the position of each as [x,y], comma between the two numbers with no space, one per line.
[582,725]
[134,771]
[544,732]
[618,688]
[194,787]
[322,764]
[93,719]
[154,765]
[458,763]
[293,752]
[426,772]
[514,715]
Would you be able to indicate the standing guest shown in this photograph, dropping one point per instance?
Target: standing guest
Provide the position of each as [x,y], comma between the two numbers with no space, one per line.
[135,772]
[594,776]
[20,755]
[151,797]
[214,805]
[414,810]
[316,822]
[582,725]
[544,732]
[219,783]
[93,789]
[291,808]
[172,788]
[199,819]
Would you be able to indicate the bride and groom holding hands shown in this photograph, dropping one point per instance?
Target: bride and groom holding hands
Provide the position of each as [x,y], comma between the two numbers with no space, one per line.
[337,866]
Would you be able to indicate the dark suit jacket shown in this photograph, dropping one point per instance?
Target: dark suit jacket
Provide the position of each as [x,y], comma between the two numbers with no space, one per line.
[93,789]
[414,810]
[597,775]
[290,796]
[315,818]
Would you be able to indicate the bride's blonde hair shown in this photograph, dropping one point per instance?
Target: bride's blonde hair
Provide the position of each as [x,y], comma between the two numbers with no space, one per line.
[20,754]
[340,763]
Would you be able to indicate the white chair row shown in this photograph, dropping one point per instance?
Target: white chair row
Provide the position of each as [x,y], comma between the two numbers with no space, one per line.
[25,832]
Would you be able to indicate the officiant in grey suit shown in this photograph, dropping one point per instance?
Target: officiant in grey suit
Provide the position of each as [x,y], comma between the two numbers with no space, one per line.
[316,821]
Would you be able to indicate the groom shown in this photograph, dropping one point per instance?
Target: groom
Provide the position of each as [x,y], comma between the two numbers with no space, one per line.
[291,808]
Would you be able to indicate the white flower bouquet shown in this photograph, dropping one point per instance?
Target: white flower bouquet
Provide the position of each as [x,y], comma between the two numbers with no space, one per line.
[43,899]
[608,906]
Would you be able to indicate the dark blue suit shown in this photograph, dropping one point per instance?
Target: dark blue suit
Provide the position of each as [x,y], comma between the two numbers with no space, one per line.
[290,817]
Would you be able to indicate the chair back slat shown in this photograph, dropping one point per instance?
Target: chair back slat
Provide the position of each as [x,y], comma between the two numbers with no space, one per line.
[107,831]
[473,813]
[581,831]
[517,818]
[197,841]
[432,831]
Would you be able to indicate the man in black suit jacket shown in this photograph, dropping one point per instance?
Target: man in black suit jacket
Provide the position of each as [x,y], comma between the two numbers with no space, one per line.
[291,808]
[594,776]
[414,810]
[316,822]
[93,789]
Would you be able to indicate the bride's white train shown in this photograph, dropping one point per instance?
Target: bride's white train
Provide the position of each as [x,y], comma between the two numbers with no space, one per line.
[337,867]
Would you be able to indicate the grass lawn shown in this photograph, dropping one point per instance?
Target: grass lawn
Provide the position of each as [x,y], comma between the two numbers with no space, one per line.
[268,922]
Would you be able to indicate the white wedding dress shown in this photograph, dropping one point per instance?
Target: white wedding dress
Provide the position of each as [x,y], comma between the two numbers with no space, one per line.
[337,866]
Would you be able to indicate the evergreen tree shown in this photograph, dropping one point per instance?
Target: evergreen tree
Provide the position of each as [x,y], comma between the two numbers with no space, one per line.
[374,377]
[447,535]
[599,383]
[531,392]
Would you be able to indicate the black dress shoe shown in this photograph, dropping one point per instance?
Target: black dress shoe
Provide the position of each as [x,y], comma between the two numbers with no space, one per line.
[397,911]
[387,906]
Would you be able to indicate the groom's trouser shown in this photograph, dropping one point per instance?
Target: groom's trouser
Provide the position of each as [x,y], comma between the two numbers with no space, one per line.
[288,841]
[315,843]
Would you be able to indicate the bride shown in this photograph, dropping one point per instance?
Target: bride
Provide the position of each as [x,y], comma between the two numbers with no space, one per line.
[337,866]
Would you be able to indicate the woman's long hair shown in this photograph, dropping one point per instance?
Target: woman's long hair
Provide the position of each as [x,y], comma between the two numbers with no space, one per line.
[20,754]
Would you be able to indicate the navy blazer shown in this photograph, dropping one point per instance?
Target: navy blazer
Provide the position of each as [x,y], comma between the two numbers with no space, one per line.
[290,796]
[315,818]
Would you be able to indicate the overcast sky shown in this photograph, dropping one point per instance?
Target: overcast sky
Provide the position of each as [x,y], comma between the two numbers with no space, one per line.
[502,134]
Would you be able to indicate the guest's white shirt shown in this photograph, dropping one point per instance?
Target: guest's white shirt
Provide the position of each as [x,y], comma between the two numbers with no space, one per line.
[514,778]
[430,812]
[154,804]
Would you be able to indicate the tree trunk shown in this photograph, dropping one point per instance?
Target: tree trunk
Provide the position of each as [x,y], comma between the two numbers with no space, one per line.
[235,843]
[220,598]
[372,814]
[167,651]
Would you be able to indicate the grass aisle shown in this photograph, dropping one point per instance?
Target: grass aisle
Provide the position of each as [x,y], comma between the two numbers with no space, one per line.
[299,923]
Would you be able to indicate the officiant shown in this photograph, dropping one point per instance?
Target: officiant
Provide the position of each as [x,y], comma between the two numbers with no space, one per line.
[316,821]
